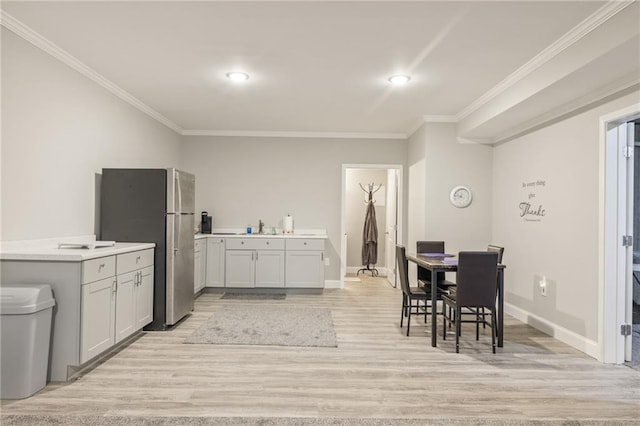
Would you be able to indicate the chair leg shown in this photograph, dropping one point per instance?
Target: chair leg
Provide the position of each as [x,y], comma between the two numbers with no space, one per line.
[444,321]
[426,310]
[458,328]
[409,317]
[478,324]
[484,324]
[493,330]
[403,312]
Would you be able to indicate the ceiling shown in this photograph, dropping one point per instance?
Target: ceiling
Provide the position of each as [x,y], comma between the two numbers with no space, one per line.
[315,67]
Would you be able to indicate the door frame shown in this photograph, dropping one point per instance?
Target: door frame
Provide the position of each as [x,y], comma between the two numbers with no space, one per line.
[614,268]
[400,208]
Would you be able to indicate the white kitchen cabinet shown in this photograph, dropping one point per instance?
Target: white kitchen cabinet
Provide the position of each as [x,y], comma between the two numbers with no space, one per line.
[86,291]
[109,315]
[125,305]
[199,264]
[144,298]
[304,263]
[255,262]
[240,270]
[134,292]
[98,316]
[215,264]
[269,268]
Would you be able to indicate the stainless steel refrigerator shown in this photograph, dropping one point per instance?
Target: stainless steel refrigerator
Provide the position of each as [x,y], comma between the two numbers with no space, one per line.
[156,206]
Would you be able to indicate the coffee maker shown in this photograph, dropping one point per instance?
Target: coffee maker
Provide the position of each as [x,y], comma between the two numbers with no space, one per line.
[205,226]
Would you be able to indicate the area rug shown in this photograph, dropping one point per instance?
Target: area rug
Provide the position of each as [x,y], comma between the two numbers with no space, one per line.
[267,325]
[254,296]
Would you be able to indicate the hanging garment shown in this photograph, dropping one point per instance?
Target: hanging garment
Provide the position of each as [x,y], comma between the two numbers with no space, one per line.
[370,237]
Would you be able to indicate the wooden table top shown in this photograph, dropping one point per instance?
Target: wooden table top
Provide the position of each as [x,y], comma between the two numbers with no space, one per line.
[447,263]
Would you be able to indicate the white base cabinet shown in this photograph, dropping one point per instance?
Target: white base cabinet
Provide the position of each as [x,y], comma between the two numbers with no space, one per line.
[240,271]
[269,268]
[199,264]
[262,262]
[254,262]
[305,263]
[98,318]
[144,297]
[114,308]
[92,296]
[215,264]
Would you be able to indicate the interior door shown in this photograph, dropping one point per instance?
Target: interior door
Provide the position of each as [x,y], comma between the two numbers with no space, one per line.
[628,255]
[391,225]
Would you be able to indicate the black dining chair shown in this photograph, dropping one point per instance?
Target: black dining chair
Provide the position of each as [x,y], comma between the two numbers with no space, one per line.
[424,275]
[493,249]
[415,300]
[496,249]
[477,288]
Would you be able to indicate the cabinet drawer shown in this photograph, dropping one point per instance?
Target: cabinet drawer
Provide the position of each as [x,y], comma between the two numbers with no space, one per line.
[98,269]
[135,260]
[255,244]
[198,244]
[305,244]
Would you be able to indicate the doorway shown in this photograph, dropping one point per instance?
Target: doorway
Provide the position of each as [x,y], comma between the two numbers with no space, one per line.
[620,224]
[385,181]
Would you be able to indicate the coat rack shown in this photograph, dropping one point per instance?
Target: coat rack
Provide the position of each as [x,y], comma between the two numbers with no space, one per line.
[370,232]
[370,190]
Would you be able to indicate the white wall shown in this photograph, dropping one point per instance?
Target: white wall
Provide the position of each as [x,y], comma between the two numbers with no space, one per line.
[563,246]
[355,210]
[437,163]
[243,179]
[58,130]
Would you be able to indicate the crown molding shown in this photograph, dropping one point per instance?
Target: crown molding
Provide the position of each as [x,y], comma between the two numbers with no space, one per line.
[592,22]
[21,30]
[270,134]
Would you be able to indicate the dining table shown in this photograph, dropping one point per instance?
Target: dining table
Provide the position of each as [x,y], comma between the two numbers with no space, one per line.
[438,264]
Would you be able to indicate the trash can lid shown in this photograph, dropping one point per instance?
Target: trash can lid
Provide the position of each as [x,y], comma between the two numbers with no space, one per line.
[25,299]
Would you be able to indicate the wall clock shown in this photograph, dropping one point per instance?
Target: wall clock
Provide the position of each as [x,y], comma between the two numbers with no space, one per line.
[460,196]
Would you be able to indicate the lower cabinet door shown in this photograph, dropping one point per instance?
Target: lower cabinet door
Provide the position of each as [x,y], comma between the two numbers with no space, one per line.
[305,269]
[125,305]
[144,298]
[239,268]
[98,318]
[197,270]
[269,268]
[215,262]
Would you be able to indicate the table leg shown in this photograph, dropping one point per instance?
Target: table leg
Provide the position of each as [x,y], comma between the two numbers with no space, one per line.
[500,307]
[434,304]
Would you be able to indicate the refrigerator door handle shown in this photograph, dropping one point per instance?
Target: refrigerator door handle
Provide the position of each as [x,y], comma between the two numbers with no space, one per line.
[178,207]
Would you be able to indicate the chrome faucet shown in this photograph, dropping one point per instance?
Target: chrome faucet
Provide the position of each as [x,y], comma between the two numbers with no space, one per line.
[260,226]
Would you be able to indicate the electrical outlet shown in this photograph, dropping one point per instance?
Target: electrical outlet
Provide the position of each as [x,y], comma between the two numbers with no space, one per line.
[543,286]
[326,261]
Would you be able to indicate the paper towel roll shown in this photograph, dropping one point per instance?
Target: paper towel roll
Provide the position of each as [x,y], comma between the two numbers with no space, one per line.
[287,225]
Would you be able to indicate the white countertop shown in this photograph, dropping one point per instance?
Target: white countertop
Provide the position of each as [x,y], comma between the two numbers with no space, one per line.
[54,254]
[239,235]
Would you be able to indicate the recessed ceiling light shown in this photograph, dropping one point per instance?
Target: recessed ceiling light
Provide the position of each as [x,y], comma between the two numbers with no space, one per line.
[399,79]
[237,76]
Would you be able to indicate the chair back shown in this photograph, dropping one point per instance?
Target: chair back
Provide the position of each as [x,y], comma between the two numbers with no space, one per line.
[403,269]
[477,278]
[428,247]
[496,249]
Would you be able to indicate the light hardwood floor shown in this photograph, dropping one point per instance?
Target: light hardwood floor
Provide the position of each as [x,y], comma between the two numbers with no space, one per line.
[375,372]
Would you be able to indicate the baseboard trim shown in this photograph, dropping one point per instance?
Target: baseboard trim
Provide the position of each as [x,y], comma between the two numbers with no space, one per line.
[589,347]
[333,284]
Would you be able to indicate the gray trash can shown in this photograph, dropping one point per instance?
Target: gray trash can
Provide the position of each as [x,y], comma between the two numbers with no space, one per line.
[25,333]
